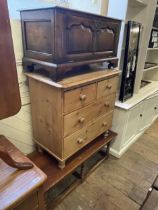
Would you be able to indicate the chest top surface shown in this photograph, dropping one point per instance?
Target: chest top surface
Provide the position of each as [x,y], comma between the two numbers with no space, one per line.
[76,81]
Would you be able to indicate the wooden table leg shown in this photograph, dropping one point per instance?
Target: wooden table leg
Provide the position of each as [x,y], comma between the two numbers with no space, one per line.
[61,164]
[107,150]
[41,199]
[82,174]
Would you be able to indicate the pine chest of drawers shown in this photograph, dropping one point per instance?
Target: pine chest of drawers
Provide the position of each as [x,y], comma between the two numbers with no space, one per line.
[70,114]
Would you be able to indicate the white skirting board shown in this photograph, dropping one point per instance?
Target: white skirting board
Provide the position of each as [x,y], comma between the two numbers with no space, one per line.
[118,154]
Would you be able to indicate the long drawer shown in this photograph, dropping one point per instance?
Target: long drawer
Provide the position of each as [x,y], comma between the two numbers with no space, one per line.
[82,117]
[80,138]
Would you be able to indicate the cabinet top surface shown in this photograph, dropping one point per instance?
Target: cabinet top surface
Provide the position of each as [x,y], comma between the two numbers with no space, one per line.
[148,91]
[16,184]
[76,81]
[68,10]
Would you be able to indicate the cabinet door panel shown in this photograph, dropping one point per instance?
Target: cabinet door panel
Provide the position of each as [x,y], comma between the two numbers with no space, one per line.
[38,35]
[132,125]
[106,37]
[146,113]
[79,35]
[105,40]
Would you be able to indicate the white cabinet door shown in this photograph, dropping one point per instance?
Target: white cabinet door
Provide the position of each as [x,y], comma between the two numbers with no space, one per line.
[132,125]
[146,113]
[155,99]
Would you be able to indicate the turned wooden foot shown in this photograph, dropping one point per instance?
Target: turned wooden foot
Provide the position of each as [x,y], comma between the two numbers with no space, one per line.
[39,149]
[106,134]
[61,164]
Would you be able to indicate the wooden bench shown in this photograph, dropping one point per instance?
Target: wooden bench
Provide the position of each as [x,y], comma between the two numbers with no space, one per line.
[77,169]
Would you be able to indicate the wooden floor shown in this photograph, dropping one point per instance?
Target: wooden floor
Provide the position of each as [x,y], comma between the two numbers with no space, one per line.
[119,183]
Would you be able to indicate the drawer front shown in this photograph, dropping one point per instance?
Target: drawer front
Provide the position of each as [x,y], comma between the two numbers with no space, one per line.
[80,138]
[79,97]
[107,87]
[81,118]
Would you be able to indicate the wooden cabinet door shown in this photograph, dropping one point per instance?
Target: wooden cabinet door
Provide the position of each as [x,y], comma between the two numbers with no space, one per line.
[9,89]
[106,40]
[74,34]
[79,37]
[146,113]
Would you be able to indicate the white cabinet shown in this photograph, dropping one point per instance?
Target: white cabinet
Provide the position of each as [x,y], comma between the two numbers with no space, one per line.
[131,123]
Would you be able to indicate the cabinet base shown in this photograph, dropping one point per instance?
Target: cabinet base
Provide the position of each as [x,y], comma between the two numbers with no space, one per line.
[58,72]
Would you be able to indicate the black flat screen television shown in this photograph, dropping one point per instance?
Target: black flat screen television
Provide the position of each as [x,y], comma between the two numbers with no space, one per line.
[130,60]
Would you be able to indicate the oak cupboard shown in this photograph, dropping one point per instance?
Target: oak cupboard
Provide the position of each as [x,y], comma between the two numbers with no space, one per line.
[71,113]
[58,39]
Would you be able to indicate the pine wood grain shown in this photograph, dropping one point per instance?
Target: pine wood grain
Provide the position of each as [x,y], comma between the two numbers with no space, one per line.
[107,87]
[51,103]
[76,81]
[47,116]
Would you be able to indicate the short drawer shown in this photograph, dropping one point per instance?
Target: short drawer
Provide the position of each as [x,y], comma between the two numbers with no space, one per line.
[80,138]
[107,87]
[79,97]
[82,117]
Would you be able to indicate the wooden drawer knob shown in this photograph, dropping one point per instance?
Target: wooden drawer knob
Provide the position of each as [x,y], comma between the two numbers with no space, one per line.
[83,97]
[107,104]
[109,86]
[104,124]
[80,140]
[81,120]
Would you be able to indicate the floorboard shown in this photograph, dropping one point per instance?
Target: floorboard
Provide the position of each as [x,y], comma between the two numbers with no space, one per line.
[119,184]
